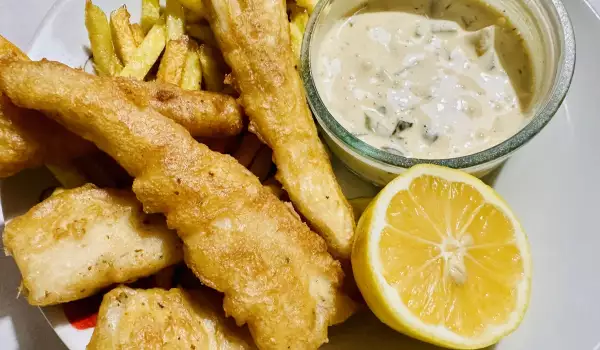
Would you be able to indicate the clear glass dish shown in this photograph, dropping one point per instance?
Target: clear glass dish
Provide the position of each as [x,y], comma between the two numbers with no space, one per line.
[547,30]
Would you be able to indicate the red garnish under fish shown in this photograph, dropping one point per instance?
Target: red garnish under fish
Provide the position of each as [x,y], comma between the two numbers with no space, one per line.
[82,314]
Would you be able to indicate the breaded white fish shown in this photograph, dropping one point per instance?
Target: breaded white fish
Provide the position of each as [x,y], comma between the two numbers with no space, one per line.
[254,36]
[79,241]
[28,139]
[202,113]
[239,239]
[137,319]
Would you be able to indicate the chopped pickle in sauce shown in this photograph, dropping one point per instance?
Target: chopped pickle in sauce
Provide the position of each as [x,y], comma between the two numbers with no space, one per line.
[426,79]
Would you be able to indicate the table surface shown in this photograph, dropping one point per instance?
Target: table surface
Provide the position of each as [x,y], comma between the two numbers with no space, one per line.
[23,326]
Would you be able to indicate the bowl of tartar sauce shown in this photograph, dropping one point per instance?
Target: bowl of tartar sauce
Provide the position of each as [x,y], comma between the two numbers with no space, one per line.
[458,83]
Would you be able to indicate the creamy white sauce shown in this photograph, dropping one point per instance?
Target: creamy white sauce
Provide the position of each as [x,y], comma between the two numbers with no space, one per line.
[417,86]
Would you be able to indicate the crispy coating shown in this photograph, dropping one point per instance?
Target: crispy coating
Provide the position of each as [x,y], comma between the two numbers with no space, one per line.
[173,60]
[79,241]
[202,113]
[9,51]
[255,39]
[28,139]
[238,237]
[132,319]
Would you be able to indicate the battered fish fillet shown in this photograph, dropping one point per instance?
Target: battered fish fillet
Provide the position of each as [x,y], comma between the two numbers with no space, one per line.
[132,319]
[239,239]
[28,139]
[202,113]
[79,241]
[255,40]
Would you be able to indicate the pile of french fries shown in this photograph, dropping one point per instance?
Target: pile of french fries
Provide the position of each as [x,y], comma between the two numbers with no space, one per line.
[174,44]
[176,39]
[161,40]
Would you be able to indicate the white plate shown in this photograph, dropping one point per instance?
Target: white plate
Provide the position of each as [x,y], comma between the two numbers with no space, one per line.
[553,184]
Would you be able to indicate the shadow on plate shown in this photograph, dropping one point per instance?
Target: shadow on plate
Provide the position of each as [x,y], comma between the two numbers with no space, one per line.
[17,195]
[365,331]
[22,191]
[491,178]
[30,328]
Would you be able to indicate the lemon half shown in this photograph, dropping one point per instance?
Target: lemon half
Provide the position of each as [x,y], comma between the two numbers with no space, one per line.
[440,257]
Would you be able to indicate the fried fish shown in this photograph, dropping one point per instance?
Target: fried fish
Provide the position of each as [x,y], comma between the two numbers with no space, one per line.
[79,241]
[254,36]
[132,319]
[28,139]
[239,239]
[202,113]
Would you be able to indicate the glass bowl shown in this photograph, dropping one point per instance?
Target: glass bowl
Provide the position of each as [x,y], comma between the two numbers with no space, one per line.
[545,27]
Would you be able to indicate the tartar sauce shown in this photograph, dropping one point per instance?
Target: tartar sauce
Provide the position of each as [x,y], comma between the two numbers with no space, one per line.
[424,87]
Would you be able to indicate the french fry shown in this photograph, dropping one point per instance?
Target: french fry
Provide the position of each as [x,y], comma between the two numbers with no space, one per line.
[173,61]
[57,190]
[146,54]
[175,19]
[195,6]
[213,68]
[192,17]
[68,175]
[307,4]
[248,148]
[203,33]
[299,20]
[262,163]
[122,34]
[101,170]
[106,61]
[229,87]
[192,71]
[202,113]
[150,14]
[138,33]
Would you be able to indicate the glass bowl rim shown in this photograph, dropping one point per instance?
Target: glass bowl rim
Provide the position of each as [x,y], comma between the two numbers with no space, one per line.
[558,92]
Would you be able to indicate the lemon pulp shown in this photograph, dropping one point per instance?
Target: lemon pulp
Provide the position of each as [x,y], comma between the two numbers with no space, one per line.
[440,257]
